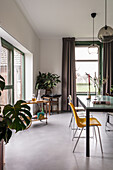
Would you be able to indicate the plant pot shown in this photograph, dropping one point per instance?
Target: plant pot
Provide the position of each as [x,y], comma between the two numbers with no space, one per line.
[48,91]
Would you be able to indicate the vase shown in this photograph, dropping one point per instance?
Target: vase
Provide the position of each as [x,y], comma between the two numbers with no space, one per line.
[39,95]
[100,91]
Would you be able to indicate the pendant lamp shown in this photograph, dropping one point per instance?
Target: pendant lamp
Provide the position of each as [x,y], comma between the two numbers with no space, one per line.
[105,33]
[93,48]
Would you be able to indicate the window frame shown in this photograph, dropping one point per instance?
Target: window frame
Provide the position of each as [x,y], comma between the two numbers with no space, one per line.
[11,48]
[100,59]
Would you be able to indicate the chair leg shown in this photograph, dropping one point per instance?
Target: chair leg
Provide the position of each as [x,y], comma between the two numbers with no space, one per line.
[100,140]
[74,133]
[106,120]
[77,140]
[95,133]
[71,121]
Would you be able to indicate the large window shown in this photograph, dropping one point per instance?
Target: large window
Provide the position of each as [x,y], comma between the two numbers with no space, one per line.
[6,72]
[12,69]
[85,64]
[18,75]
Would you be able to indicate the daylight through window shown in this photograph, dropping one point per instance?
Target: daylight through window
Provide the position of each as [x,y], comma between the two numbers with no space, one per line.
[85,63]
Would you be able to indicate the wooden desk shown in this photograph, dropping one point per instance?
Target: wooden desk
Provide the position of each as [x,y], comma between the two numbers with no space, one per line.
[37,102]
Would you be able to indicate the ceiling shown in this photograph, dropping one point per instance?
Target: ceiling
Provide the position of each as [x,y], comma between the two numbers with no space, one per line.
[61,18]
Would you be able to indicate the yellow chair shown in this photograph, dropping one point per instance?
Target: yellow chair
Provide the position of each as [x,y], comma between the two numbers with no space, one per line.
[81,123]
[78,109]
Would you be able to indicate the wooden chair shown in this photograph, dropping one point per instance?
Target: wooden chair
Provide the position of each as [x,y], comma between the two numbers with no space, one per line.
[54,102]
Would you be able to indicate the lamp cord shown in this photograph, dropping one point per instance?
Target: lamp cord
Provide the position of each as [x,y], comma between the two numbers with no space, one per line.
[93,31]
[105,13]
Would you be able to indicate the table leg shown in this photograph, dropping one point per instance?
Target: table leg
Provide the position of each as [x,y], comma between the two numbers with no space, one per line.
[108,119]
[77,101]
[46,113]
[57,105]
[51,105]
[49,108]
[87,135]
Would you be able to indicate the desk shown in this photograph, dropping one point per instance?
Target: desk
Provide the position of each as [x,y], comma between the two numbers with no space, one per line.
[90,107]
[37,102]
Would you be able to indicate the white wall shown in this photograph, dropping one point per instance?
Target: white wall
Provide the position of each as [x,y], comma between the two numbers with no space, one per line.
[51,58]
[13,21]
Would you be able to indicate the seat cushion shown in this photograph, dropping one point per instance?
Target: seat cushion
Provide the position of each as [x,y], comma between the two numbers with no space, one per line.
[93,122]
[110,113]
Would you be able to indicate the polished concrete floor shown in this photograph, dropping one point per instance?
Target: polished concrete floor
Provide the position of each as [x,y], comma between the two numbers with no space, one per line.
[49,147]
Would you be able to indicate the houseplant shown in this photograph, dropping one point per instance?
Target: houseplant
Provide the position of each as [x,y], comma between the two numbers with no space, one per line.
[47,81]
[17,117]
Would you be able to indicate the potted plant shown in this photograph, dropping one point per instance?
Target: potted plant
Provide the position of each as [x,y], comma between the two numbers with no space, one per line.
[17,117]
[47,81]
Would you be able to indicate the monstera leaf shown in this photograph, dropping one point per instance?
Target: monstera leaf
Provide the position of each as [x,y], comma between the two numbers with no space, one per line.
[2,84]
[19,115]
[5,132]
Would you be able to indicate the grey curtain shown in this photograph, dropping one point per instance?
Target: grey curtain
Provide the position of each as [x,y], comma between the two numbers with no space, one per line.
[107,66]
[68,72]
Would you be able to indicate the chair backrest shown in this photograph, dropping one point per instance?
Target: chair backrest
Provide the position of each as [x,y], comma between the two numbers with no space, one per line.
[70,99]
[77,119]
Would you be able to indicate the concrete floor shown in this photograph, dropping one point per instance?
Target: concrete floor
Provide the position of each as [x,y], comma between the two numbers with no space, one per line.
[49,147]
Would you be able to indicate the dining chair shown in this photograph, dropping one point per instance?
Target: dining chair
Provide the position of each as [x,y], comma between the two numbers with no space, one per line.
[108,115]
[78,109]
[81,123]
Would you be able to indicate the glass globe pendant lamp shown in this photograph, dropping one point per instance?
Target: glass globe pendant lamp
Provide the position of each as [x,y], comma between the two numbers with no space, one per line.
[105,34]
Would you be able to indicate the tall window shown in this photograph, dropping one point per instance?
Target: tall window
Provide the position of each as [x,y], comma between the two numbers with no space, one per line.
[6,72]
[85,64]
[12,69]
[18,75]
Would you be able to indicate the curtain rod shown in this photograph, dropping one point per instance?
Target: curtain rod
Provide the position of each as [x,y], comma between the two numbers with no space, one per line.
[86,38]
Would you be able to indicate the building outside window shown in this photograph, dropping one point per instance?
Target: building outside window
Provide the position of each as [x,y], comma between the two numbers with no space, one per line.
[6,72]
[12,69]
[18,75]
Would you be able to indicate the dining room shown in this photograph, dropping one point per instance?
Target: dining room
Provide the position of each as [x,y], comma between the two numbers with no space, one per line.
[72,40]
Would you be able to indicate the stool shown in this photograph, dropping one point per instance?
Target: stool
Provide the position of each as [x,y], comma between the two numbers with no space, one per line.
[54,101]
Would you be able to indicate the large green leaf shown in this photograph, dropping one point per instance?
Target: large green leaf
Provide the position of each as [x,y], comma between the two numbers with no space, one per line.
[5,132]
[47,80]
[19,114]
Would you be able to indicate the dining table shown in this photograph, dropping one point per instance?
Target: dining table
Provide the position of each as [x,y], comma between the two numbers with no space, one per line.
[95,104]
